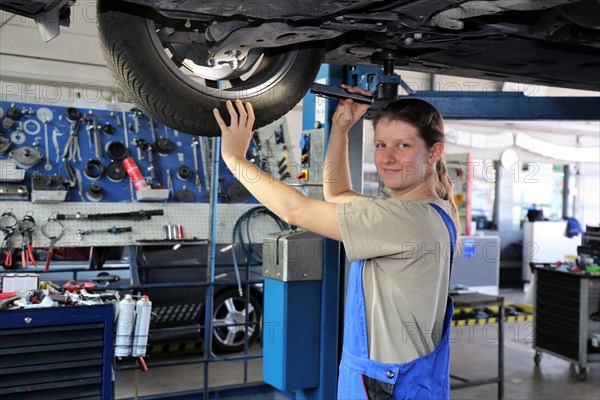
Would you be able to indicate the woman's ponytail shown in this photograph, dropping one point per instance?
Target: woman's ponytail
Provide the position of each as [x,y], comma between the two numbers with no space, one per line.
[443,188]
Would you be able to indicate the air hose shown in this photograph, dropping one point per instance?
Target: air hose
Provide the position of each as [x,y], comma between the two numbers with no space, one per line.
[248,248]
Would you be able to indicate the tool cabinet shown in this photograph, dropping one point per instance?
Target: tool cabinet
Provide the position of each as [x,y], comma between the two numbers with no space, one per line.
[56,353]
[564,304]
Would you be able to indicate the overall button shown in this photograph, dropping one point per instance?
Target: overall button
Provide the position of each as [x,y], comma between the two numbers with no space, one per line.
[389,374]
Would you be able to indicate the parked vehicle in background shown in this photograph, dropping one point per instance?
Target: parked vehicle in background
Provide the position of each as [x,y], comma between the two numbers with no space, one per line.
[178,310]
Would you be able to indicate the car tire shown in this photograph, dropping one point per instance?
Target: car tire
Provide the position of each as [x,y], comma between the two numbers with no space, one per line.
[138,61]
[229,329]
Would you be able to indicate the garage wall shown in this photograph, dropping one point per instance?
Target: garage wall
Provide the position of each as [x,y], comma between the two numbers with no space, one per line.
[70,65]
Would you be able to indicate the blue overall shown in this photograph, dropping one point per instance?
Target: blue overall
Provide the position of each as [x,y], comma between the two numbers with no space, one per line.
[426,377]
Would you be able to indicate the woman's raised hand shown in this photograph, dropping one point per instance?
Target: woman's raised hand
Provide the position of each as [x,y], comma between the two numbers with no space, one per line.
[348,112]
[236,137]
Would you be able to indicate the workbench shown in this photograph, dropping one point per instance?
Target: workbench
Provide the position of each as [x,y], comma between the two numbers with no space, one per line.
[478,300]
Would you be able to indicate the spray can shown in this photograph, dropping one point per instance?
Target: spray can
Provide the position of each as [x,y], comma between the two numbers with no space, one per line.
[125,325]
[134,174]
[143,310]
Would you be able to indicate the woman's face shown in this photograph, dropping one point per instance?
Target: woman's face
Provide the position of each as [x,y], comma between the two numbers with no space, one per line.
[401,155]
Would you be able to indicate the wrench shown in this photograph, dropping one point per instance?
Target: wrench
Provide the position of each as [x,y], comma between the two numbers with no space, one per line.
[47,166]
[136,120]
[97,140]
[195,151]
[151,164]
[78,183]
[114,230]
[55,134]
[89,128]
[152,130]
[70,173]
[169,182]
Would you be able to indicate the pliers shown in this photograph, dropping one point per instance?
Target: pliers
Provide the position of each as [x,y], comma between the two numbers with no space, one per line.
[8,225]
[7,251]
[26,228]
[6,248]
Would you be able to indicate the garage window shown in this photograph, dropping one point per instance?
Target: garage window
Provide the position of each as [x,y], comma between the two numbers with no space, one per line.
[483,193]
[538,186]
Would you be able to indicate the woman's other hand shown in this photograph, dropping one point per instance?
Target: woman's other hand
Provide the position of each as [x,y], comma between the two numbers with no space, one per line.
[235,137]
[348,112]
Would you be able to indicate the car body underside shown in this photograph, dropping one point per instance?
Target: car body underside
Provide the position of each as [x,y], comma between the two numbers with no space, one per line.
[537,42]
[553,42]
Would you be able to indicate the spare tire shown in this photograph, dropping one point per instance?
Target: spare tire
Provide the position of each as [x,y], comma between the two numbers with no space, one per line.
[149,69]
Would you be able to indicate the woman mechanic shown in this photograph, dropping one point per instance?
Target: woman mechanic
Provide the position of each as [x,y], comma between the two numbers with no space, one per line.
[397,318]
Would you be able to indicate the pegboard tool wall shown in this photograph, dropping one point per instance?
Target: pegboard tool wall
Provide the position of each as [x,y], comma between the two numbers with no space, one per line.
[40,142]
[194,218]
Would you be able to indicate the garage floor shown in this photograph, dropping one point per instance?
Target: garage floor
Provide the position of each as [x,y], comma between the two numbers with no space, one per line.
[473,357]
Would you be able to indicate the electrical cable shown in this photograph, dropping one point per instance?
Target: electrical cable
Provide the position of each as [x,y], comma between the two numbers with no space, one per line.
[249,249]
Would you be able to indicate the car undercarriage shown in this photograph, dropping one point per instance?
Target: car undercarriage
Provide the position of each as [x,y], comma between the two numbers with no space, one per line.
[177,59]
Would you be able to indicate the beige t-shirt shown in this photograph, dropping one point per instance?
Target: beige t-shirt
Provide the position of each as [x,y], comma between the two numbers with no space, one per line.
[406,248]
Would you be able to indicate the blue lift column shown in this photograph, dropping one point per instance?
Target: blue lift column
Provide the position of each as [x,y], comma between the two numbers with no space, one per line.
[313,116]
[301,305]
[317,113]
[307,366]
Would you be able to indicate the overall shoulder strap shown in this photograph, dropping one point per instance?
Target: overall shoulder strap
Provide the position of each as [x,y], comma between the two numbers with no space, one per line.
[451,229]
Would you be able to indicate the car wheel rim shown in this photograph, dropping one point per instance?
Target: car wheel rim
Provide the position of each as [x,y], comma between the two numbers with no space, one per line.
[229,321]
[260,71]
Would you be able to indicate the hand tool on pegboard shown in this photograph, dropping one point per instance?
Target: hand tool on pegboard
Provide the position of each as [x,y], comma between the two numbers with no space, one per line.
[71,150]
[8,226]
[26,228]
[114,230]
[130,215]
[196,162]
[53,230]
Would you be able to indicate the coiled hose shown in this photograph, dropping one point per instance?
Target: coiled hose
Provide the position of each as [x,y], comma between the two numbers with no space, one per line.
[247,246]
